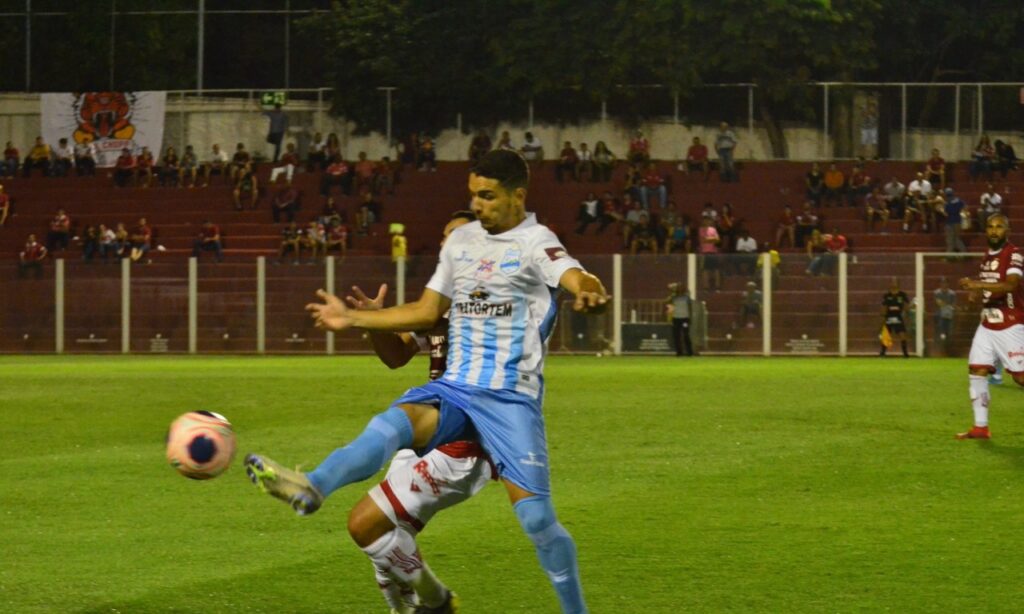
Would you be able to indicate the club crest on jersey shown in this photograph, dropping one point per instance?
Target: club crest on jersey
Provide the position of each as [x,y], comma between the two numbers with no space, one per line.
[485,270]
[512,260]
[464,257]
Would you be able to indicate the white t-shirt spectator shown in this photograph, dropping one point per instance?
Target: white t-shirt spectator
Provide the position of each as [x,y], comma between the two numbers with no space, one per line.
[747,245]
[85,150]
[991,202]
[920,186]
[65,153]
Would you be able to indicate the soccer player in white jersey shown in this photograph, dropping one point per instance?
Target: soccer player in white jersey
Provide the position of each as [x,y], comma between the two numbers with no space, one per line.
[499,276]
[1000,335]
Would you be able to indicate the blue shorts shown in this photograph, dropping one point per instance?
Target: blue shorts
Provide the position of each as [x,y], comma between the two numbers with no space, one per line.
[510,426]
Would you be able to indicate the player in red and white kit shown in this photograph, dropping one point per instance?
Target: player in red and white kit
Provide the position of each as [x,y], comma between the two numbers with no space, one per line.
[1000,336]
[385,522]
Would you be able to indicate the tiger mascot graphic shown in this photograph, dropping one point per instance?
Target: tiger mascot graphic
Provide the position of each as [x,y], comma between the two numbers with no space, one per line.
[103,115]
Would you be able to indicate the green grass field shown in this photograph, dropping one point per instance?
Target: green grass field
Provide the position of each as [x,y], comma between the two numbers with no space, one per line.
[704,485]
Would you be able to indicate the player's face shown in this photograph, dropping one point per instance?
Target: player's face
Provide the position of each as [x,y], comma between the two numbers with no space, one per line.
[996,230]
[450,226]
[497,209]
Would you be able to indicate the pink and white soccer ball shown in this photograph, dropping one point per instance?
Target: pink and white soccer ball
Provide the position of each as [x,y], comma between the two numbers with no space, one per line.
[200,444]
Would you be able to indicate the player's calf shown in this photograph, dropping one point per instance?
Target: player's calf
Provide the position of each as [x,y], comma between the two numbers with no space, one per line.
[555,549]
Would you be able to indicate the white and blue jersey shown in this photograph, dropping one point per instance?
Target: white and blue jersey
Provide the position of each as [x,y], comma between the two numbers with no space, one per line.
[503,290]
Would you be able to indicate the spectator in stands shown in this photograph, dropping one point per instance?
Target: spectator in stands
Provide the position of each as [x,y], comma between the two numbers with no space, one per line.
[639,149]
[370,209]
[276,129]
[770,255]
[314,238]
[208,241]
[945,309]
[725,146]
[568,162]
[11,159]
[668,220]
[612,208]
[858,186]
[815,248]
[982,159]
[709,212]
[38,157]
[588,213]
[709,242]
[121,239]
[697,159]
[505,141]
[679,307]
[60,232]
[894,194]
[814,181]
[333,147]
[108,242]
[532,149]
[604,162]
[286,165]
[632,182]
[409,148]
[806,223]
[90,242]
[338,174]
[1006,158]
[317,158]
[388,174]
[480,145]
[935,170]
[825,262]
[750,306]
[216,164]
[875,208]
[919,193]
[63,158]
[239,161]
[727,227]
[786,227]
[246,183]
[991,203]
[286,201]
[337,236]
[144,165]
[953,212]
[170,168]
[189,168]
[677,230]
[651,183]
[644,236]
[632,218]
[585,167]
[364,171]
[291,241]
[426,158]
[835,185]
[141,239]
[746,253]
[31,258]
[5,205]
[85,158]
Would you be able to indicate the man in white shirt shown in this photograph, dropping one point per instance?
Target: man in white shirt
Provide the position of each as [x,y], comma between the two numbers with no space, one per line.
[532,148]
[64,158]
[746,253]
[216,164]
[919,192]
[991,203]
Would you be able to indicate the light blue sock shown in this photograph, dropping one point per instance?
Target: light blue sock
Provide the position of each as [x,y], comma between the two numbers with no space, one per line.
[555,549]
[365,455]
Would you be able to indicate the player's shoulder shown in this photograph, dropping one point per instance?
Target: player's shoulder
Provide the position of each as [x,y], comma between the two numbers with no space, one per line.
[464,233]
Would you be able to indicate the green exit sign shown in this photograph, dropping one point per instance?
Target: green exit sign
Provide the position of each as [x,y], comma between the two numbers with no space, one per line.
[269,99]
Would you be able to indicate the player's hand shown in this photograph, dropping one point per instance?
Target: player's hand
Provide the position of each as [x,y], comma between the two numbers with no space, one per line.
[364,303]
[332,314]
[591,302]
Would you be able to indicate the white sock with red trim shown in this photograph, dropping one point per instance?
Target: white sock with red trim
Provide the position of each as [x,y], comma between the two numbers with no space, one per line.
[397,554]
[394,593]
[979,399]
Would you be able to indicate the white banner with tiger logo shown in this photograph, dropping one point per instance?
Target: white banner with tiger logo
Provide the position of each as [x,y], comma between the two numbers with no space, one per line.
[110,120]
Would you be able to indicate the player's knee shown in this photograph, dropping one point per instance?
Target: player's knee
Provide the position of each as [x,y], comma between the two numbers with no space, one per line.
[1019,378]
[535,514]
[366,523]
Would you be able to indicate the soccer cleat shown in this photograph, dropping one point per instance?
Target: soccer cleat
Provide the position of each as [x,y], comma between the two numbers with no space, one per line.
[995,380]
[450,606]
[288,485]
[976,432]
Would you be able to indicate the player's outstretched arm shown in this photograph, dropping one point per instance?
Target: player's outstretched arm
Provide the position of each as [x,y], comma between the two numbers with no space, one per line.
[590,294]
[332,314]
[1006,286]
[394,349]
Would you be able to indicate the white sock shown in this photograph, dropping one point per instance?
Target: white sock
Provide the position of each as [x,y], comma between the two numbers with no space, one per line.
[979,399]
[397,555]
[393,592]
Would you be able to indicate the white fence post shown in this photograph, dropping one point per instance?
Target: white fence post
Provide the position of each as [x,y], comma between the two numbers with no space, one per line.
[193,304]
[766,305]
[617,304]
[919,303]
[58,300]
[843,302]
[126,304]
[329,287]
[261,304]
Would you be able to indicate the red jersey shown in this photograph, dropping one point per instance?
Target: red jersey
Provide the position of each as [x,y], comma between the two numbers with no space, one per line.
[935,164]
[5,199]
[697,153]
[11,153]
[33,252]
[210,232]
[61,223]
[125,161]
[1002,310]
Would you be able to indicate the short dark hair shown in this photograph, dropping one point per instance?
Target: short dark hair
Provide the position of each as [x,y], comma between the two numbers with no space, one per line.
[506,166]
[464,214]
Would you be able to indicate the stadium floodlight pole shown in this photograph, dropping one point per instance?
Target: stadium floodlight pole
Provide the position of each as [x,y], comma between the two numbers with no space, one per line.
[617,304]
[28,47]
[750,115]
[200,36]
[903,120]
[981,110]
[113,39]
[843,303]
[261,305]
[823,153]
[387,92]
[193,303]
[126,304]
[329,287]
[766,305]
[58,306]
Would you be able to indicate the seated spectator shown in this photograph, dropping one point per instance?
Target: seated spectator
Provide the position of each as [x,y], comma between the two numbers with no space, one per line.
[935,170]
[982,159]
[726,226]
[750,306]
[90,242]
[709,212]
[858,187]
[770,255]
[337,237]
[639,149]
[208,241]
[806,223]
[643,236]
[124,168]
[121,239]
[611,208]
[604,162]
[331,208]
[835,185]
[5,205]
[239,161]
[894,194]
[333,147]
[480,145]
[652,183]
[216,164]
[60,232]
[291,241]
[589,212]
[368,213]
[317,158]
[63,158]
[814,180]
[824,253]
[1006,158]
[786,227]
[189,167]
[532,149]
[246,182]
[170,169]
[85,158]
[746,253]
[919,195]
[632,182]
[388,175]
[108,245]
[31,258]
[364,171]
[505,141]
[144,165]
[677,230]
[38,157]
[568,161]
[141,239]
[815,248]
[11,159]
[585,168]
[286,201]
[338,174]
[709,244]
[875,208]
[315,240]
[991,202]
[697,159]
[426,157]
[632,219]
